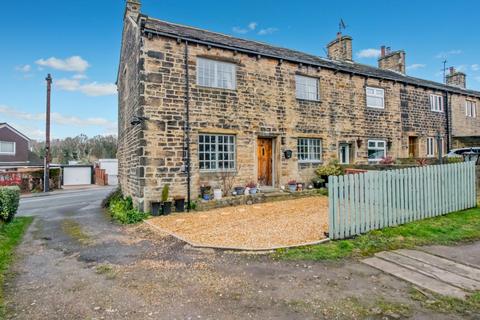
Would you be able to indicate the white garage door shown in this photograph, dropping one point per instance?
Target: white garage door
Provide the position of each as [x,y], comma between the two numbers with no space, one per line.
[77,175]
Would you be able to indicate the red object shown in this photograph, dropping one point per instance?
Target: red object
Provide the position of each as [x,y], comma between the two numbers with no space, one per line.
[10,179]
[354,171]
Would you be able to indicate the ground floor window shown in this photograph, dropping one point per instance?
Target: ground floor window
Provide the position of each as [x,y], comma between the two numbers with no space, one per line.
[344,153]
[216,152]
[309,150]
[376,150]
[430,146]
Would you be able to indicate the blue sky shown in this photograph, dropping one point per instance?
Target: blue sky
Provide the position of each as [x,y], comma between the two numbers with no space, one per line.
[78,43]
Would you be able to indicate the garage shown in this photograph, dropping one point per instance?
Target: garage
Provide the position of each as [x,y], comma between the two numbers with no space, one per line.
[77,175]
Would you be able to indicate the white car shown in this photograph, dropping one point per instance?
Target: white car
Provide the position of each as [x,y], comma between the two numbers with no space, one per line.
[461,151]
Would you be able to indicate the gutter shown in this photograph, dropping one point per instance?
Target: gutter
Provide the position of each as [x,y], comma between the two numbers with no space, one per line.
[187,125]
[303,62]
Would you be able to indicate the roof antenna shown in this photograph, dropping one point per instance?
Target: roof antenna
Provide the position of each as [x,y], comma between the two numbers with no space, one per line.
[444,71]
[341,26]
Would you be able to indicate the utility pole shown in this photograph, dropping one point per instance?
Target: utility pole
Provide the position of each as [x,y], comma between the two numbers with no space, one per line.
[46,172]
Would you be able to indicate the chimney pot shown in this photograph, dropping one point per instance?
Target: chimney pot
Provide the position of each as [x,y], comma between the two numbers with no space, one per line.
[340,48]
[382,51]
[452,70]
[394,61]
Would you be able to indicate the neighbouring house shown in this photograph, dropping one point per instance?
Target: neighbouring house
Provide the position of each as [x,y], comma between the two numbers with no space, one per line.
[194,104]
[14,148]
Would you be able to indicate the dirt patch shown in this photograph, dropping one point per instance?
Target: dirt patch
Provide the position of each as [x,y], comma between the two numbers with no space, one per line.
[74,230]
[257,226]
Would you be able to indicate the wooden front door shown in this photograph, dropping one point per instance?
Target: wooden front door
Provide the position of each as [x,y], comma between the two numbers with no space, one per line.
[412,147]
[264,155]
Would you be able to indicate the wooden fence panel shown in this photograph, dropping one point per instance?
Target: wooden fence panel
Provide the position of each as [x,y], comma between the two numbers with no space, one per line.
[373,200]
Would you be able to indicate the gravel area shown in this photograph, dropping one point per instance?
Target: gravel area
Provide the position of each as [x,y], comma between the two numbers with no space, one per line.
[255,227]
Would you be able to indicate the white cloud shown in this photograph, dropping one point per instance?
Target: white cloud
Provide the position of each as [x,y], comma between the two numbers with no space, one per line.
[93,89]
[368,53]
[79,76]
[24,68]
[416,66]
[241,30]
[30,131]
[443,55]
[74,63]
[58,118]
[266,31]
[475,67]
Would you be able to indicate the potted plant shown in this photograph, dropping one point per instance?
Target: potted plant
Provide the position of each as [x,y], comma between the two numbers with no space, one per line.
[206,192]
[331,169]
[318,182]
[179,203]
[252,187]
[166,205]
[239,190]
[292,185]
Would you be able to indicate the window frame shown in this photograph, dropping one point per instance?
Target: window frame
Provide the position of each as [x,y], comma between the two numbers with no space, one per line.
[384,148]
[432,147]
[305,96]
[9,153]
[470,109]
[310,150]
[217,152]
[374,95]
[217,81]
[433,99]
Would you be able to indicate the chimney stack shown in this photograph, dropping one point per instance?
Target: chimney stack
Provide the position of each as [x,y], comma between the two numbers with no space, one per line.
[341,48]
[456,78]
[394,61]
[133,9]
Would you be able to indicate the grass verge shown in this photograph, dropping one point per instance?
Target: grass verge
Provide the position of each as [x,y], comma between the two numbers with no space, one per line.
[449,229]
[10,236]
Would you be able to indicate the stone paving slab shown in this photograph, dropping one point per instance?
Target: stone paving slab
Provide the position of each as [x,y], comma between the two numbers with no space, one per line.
[430,270]
[416,278]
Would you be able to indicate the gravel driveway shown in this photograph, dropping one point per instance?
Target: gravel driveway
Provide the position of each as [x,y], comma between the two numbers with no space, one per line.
[74,263]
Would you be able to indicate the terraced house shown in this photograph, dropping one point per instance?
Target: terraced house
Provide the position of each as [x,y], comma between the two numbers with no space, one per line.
[195,103]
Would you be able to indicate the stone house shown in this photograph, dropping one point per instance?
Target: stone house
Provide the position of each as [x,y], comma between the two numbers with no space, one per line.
[195,104]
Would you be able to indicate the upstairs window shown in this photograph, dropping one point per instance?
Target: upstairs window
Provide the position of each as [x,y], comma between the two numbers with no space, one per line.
[7,147]
[216,74]
[377,150]
[306,88]
[470,109]
[309,150]
[375,98]
[436,103]
[216,152]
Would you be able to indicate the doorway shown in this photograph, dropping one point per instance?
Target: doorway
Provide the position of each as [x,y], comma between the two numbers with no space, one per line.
[413,147]
[265,161]
[344,155]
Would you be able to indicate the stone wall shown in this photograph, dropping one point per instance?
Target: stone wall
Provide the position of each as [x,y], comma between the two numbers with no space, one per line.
[465,130]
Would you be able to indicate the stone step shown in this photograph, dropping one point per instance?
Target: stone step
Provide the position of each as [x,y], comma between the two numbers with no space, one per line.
[416,278]
[430,270]
[442,263]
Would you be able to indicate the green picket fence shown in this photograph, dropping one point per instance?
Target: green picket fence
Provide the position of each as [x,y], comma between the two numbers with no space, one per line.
[377,199]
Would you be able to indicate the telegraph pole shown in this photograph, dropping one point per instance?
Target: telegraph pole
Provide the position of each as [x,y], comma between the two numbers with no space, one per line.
[46,172]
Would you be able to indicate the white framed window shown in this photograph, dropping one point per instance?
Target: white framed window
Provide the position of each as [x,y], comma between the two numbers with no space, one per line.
[216,152]
[470,109]
[377,149]
[306,88]
[436,103]
[216,74]
[309,150]
[430,147]
[7,147]
[375,97]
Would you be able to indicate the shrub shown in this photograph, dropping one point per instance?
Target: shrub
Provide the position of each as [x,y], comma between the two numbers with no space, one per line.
[165,192]
[121,209]
[331,169]
[114,195]
[9,199]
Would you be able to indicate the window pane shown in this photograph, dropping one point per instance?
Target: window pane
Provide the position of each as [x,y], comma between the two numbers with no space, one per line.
[306,87]
[7,147]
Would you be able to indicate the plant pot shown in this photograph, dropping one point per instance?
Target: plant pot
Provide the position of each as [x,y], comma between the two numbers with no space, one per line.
[179,204]
[217,194]
[317,184]
[206,197]
[292,187]
[167,207]
[253,190]
[156,208]
[239,190]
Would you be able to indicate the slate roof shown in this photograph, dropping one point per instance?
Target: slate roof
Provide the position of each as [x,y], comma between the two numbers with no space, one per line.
[214,39]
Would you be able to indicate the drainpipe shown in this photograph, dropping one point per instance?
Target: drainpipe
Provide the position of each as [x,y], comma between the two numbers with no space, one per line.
[447,118]
[187,124]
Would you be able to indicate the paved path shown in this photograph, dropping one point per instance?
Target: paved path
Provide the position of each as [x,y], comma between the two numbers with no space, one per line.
[74,263]
[436,271]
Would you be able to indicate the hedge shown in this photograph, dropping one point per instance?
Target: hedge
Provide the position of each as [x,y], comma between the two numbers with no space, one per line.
[9,199]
